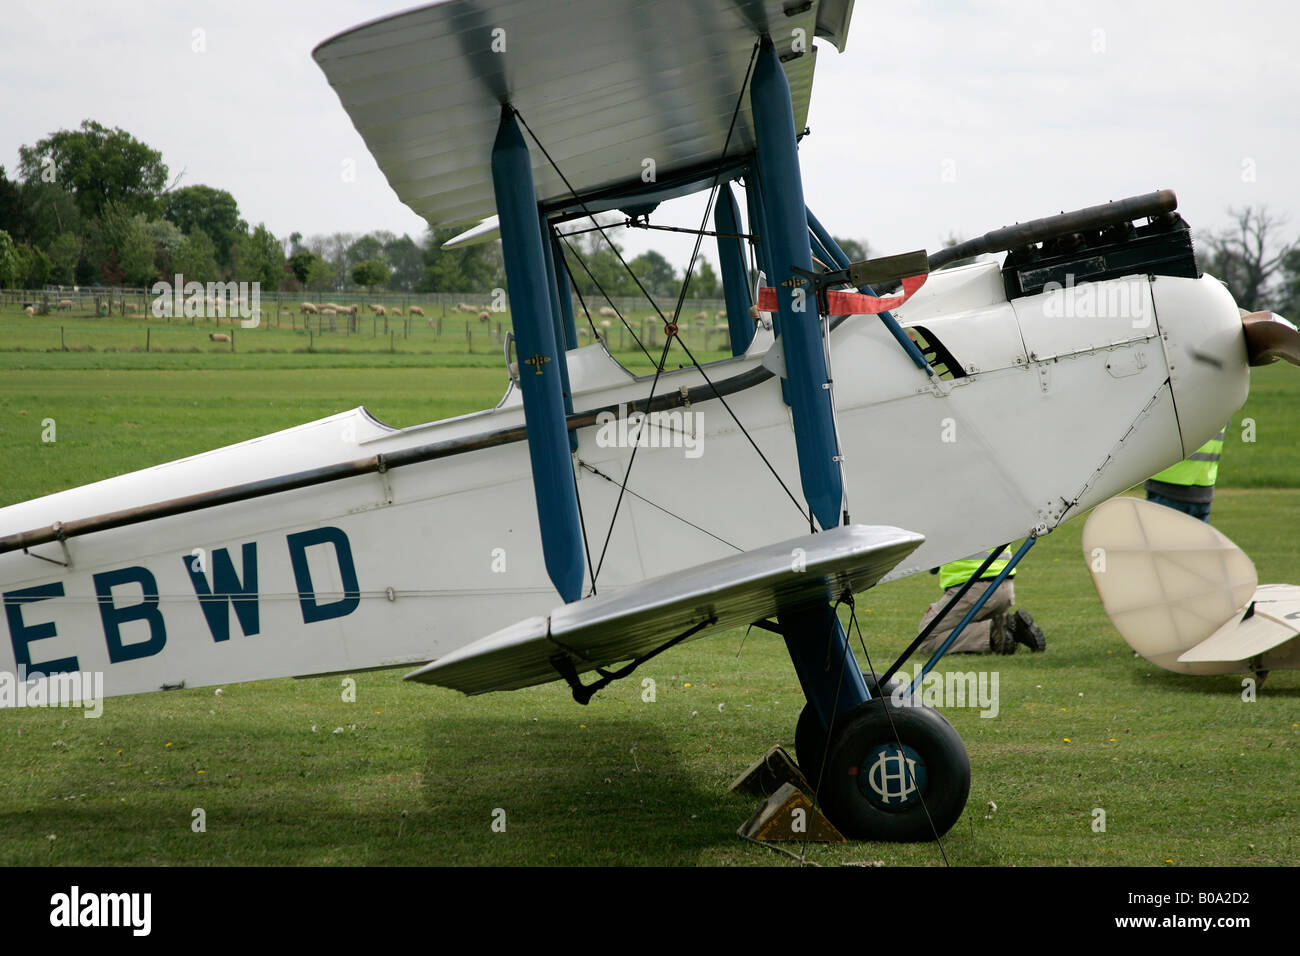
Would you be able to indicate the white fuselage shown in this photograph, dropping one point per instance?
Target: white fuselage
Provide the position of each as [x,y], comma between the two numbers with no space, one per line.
[1064,403]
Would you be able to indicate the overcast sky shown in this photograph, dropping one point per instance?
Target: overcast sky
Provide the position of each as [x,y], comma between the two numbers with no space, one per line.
[941,117]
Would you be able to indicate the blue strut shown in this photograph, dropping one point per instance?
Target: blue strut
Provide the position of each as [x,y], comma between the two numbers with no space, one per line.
[735,281]
[562,339]
[787,247]
[970,615]
[841,261]
[817,644]
[540,378]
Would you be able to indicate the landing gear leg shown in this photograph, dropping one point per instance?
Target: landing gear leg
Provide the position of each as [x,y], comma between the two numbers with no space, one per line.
[869,787]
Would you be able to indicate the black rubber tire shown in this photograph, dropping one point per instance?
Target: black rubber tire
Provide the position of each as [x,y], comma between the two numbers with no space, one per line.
[809,744]
[810,738]
[856,785]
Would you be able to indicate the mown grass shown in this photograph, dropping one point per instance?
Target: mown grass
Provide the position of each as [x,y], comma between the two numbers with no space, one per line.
[288,772]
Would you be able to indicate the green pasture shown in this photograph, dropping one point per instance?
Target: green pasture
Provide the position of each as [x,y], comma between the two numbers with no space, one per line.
[288,772]
[137,339]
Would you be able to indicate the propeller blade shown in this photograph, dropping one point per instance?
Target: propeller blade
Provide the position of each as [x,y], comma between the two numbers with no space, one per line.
[1270,337]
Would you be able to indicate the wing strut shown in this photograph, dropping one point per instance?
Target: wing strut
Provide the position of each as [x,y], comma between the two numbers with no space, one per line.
[583,693]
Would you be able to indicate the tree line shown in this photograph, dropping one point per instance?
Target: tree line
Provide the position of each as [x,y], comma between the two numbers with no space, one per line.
[96,206]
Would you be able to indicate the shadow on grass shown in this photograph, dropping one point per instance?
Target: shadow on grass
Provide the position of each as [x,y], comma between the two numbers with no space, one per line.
[615,795]
[1226,685]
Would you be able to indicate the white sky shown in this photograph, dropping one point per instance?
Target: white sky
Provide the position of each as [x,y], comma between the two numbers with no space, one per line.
[1009,98]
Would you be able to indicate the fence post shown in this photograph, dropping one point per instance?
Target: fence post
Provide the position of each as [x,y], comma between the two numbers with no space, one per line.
[232,335]
[147,332]
[63,345]
[392,336]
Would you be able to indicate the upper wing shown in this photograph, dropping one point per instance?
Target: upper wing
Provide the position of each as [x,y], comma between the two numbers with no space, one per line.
[726,593]
[604,84]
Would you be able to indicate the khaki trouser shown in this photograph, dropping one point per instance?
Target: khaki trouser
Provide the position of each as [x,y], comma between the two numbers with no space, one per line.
[975,639]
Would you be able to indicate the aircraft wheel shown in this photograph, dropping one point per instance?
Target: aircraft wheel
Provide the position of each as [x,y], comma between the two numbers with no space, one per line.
[872,792]
[810,737]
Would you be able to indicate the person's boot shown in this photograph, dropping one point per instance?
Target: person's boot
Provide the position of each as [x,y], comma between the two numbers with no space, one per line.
[1001,640]
[1024,631]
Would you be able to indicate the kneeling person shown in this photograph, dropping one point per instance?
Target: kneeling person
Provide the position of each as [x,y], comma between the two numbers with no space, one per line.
[996,629]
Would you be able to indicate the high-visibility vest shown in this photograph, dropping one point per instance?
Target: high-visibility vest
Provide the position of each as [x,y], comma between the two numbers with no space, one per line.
[959,572]
[1200,468]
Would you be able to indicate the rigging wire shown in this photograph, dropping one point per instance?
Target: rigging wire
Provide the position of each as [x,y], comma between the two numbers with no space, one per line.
[601,289]
[672,514]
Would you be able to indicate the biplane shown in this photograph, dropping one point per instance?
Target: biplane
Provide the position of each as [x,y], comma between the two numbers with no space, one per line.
[876,419]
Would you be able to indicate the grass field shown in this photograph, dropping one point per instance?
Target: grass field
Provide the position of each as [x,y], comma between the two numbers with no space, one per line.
[287,772]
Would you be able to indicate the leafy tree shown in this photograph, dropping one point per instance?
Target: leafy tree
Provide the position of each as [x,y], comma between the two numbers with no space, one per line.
[37,271]
[407,261]
[214,211]
[305,265]
[1287,299]
[260,258]
[12,209]
[462,269]
[370,273]
[137,262]
[333,249]
[657,274]
[603,265]
[48,212]
[365,249]
[97,166]
[11,263]
[196,258]
[705,283]
[122,248]
[64,252]
[166,238]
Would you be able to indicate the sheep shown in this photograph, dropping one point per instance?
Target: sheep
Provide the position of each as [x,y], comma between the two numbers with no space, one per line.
[467,308]
[65,305]
[415,310]
[484,316]
[335,306]
[29,310]
[607,312]
[396,310]
[352,311]
[701,316]
[379,310]
[218,336]
[309,309]
[605,323]
[328,311]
